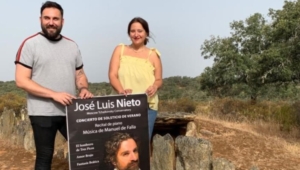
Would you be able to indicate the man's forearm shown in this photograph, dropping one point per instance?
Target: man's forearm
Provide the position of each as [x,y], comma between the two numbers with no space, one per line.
[81,80]
[82,83]
[34,88]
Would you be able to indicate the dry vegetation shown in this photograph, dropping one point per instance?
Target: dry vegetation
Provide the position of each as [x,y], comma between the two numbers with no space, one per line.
[263,133]
[280,119]
[245,147]
[268,131]
[272,133]
[274,125]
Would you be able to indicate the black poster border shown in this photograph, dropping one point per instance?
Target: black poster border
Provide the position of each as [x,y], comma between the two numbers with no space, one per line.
[91,122]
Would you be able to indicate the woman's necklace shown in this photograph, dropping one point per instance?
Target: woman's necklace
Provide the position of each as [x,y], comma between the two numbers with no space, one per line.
[137,51]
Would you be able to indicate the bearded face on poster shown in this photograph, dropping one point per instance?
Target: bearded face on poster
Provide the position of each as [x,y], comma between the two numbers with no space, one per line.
[122,152]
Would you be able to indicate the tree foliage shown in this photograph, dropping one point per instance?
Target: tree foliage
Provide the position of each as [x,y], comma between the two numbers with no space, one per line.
[10,87]
[258,54]
[178,87]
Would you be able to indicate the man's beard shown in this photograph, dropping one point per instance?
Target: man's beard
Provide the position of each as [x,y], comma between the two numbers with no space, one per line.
[134,165]
[51,35]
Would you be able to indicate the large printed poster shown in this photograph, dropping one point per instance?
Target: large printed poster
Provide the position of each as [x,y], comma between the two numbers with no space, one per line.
[109,132]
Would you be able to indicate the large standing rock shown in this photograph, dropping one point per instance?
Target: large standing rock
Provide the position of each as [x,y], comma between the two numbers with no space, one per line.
[193,153]
[16,129]
[29,144]
[7,123]
[163,156]
[191,129]
[222,164]
[21,128]
[60,146]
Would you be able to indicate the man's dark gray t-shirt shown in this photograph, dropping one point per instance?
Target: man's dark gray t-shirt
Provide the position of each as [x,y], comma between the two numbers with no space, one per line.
[53,65]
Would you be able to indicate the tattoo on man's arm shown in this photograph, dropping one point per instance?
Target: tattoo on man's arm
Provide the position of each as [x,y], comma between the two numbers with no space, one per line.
[78,78]
[80,72]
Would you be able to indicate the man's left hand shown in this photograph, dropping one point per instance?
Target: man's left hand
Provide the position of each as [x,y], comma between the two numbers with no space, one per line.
[85,94]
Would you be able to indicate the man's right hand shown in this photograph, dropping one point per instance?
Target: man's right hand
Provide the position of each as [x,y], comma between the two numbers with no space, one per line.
[63,98]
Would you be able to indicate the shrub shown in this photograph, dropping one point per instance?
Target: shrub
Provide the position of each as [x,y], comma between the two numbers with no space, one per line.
[186,105]
[284,113]
[179,105]
[286,116]
[296,110]
[12,101]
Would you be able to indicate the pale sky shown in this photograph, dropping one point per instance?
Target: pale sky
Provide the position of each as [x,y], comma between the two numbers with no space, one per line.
[178,27]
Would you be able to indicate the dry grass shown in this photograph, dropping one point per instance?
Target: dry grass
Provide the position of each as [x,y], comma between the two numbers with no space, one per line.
[269,131]
[285,114]
[274,122]
[179,105]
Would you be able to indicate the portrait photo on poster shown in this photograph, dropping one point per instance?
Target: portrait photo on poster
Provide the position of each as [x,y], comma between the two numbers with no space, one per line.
[108,132]
[122,151]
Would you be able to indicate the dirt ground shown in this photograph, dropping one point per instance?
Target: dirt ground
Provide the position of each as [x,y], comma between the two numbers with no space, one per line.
[17,158]
[244,149]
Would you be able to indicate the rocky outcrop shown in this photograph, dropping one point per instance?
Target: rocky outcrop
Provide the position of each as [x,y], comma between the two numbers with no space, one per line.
[193,153]
[185,153]
[17,130]
[222,164]
[163,156]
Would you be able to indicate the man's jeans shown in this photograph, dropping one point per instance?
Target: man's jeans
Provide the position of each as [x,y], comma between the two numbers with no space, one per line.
[44,131]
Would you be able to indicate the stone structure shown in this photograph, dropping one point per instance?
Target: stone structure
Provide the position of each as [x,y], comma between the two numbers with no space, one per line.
[174,124]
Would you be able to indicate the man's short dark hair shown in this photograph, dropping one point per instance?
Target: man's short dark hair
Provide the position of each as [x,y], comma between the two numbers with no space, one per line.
[113,145]
[51,4]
